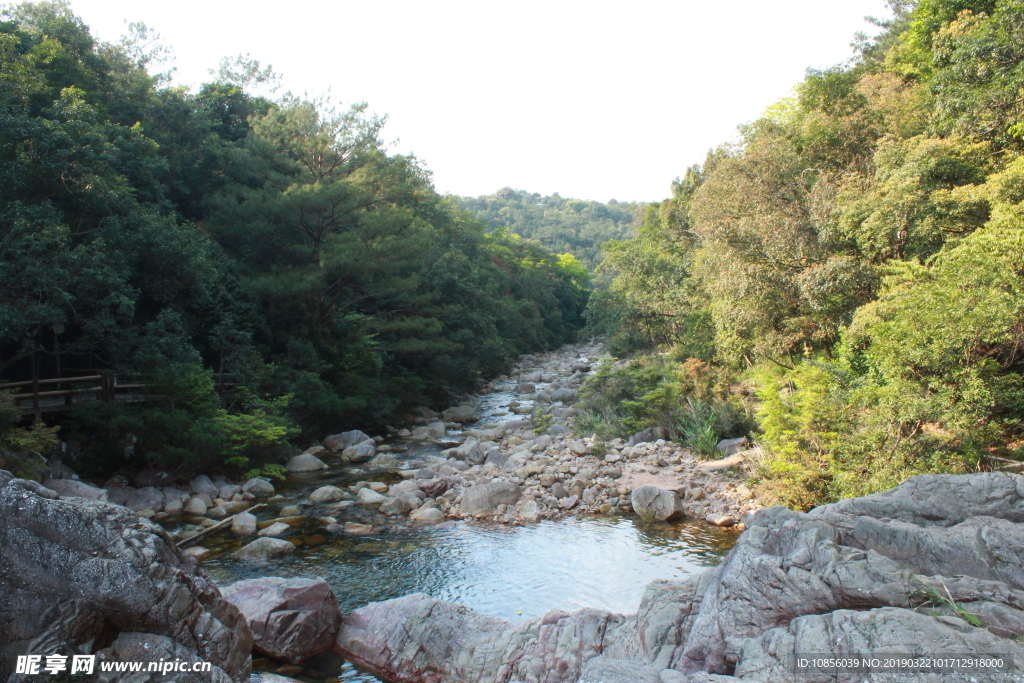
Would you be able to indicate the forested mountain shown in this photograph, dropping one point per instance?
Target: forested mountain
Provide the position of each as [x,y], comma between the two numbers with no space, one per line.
[858,257]
[169,234]
[571,226]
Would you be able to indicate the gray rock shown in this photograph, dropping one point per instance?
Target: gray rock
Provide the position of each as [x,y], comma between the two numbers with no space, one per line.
[173,494]
[720,520]
[471,451]
[483,499]
[429,515]
[148,498]
[149,647]
[564,395]
[195,506]
[731,446]
[259,487]
[72,488]
[430,432]
[275,529]
[461,414]
[339,442]
[72,568]
[291,619]
[529,511]
[360,452]
[369,497]
[203,484]
[326,494]
[244,523]
[263,549]
[654,504]
[400,505]
[228,490]
[525,388]
[643,436]
[304,462]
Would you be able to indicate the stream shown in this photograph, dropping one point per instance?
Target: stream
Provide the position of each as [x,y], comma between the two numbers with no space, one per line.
[509,571]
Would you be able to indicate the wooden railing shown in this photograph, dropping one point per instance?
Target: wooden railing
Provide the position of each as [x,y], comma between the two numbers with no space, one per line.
[41,398]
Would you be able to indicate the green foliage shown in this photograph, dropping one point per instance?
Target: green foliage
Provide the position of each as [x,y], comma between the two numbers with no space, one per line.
[562,225]
[688,399]
[933,597]
[161,234]
[860,249]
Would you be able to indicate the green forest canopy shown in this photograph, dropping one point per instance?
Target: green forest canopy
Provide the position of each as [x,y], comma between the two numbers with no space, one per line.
[858,256]
[573,226]
[168,234]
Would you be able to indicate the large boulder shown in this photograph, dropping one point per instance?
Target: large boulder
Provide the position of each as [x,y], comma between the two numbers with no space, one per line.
[655,504]
[932,567]
[418,638]
[483,499]
[258,487]
[471,450]
[202,484]
[291,619]
[244,524]
[360,452]
[643,436]
[564,395]
[73,572]
[731,446]
[146,498]
[461,414]
[339,442]
[369,497]
[430,432]
[305,462]
[72,488]
[326,494]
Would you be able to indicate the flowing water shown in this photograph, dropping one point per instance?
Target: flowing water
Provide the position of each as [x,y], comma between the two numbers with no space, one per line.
[512,572]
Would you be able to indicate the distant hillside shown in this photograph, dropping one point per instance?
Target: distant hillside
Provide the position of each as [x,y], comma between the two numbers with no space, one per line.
[562,225]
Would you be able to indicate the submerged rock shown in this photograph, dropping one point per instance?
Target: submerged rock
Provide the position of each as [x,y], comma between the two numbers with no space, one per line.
[263,549]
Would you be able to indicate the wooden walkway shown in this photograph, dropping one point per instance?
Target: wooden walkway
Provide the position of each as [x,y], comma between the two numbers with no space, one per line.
[63,393]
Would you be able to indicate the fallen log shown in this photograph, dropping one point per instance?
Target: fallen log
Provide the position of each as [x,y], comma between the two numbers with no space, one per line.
[219,525]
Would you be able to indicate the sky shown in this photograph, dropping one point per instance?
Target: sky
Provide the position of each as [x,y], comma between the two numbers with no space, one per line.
[593,99]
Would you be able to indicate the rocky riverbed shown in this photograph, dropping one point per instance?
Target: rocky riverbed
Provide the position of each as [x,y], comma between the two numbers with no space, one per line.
[507,455]
[930,569]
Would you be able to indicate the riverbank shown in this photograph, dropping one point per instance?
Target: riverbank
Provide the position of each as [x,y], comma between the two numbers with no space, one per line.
[506,455]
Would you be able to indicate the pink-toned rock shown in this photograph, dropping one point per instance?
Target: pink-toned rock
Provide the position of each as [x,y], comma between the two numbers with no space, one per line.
[291,619]
[418,638]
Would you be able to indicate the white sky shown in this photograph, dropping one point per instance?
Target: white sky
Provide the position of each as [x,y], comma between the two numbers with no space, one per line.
[590,99]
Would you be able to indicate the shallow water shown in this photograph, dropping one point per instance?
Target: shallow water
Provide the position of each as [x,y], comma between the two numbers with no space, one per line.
[512,572]
[509,572]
